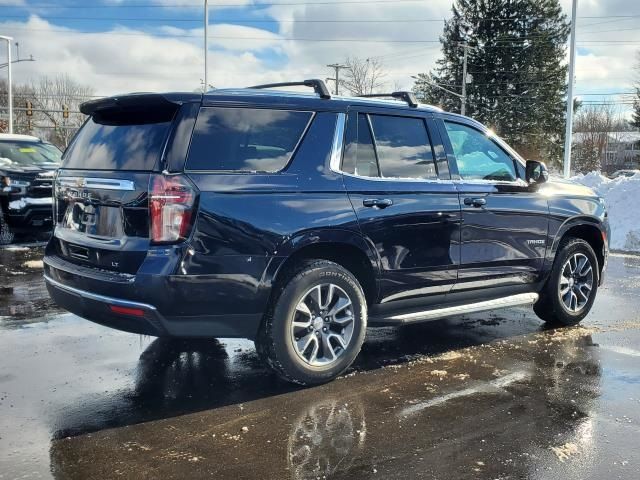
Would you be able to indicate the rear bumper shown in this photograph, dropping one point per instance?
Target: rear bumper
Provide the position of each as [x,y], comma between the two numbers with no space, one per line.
[92,294]
[97,308]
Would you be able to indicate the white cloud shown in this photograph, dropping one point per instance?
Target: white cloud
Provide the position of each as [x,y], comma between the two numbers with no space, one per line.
[125,59]
[230,37]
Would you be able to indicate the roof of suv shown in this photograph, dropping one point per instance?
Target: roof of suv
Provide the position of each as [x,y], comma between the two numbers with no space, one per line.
[248,96]
[308,99]
[266,96]
[15,137]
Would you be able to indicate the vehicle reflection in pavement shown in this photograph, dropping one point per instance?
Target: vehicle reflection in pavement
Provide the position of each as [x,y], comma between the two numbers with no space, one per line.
[506,421]
[482,418]
[326,437]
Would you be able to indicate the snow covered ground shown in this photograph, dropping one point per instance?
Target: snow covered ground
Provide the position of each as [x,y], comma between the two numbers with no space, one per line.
[624,215]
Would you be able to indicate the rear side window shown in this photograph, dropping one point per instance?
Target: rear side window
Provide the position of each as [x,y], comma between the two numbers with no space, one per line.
[403,147]
[245,140]
[114,145]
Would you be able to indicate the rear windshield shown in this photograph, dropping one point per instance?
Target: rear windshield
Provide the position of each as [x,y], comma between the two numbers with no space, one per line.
[28,153]
[244,139]
[117,146]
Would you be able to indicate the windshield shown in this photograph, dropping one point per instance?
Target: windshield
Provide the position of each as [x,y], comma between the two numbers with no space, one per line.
[28,153]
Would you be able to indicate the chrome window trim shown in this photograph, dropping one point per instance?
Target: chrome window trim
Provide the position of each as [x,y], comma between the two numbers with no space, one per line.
[338,147]
[518,182]
[97,183]
[397,179]
[338,143]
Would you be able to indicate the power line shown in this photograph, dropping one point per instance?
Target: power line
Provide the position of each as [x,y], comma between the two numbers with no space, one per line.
[219,5]
[609,16]
[298,39]
[198,5]
[607,94]
[228,20]
[252,20]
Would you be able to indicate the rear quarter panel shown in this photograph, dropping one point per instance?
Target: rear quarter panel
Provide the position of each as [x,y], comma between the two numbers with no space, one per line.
[248,224]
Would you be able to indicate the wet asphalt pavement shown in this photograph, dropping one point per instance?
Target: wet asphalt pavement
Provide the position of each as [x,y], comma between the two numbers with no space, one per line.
[492,395]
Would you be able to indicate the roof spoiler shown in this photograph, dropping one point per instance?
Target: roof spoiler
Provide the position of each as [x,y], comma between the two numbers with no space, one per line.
[407,97]
[134,100]
[318,86]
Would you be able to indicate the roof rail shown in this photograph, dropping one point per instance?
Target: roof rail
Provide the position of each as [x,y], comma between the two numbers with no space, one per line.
[408,97]
[318,86]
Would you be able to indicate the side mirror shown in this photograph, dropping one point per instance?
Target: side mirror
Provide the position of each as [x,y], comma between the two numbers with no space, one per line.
[536,172]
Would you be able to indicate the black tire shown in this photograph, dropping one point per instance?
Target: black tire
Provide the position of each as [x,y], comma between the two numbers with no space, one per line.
[550,307]
[275,340]
[6,235]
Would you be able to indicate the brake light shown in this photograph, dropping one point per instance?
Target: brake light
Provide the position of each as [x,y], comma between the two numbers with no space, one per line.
[172,200]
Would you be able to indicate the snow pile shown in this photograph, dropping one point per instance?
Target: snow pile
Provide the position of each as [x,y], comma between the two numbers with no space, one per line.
[23,202]
[624,217]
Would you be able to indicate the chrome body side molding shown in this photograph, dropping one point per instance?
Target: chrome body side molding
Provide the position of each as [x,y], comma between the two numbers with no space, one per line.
[436,313]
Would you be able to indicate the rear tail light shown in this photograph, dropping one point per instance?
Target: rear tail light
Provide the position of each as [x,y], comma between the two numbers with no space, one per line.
[172,200]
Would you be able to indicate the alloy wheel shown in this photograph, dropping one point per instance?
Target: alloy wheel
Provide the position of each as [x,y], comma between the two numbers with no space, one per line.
[322,325]
[576,282]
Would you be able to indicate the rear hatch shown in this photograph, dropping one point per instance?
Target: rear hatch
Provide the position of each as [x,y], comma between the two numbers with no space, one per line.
[102,190]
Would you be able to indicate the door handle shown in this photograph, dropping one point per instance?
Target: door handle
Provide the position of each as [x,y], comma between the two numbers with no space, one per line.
[377,202]
[475,202]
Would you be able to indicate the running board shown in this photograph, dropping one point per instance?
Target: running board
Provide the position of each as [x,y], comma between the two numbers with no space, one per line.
[505,302]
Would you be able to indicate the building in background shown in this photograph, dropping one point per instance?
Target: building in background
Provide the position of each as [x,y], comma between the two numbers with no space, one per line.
[606,151]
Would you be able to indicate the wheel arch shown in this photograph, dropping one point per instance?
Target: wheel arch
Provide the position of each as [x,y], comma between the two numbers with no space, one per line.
[344,247]
[588,229]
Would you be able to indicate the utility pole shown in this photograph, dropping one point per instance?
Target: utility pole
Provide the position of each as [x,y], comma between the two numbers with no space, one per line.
[9,91]
[572,69]
[463,99]
[337,67]
[206,43]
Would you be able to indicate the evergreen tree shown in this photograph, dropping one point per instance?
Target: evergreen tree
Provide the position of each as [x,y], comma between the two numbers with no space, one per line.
[516,69]
[635,115]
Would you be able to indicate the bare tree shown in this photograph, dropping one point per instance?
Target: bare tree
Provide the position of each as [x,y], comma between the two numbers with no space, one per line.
[594,126]
[21,95]
[53,95]
[363,76]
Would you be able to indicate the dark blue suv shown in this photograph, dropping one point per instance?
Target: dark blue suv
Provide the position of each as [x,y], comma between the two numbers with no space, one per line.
[297,220]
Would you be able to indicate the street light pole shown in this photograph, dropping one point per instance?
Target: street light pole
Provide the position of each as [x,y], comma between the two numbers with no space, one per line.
[463,98]
[206,42]
[572,69]
[9,92]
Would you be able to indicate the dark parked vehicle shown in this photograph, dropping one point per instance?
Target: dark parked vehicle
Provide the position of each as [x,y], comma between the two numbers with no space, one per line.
[297,220]
[624,173]
[27,168]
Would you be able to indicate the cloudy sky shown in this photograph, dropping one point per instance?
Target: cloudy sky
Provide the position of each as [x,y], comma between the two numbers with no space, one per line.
[155,45]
